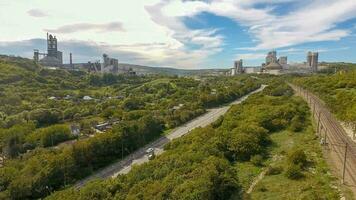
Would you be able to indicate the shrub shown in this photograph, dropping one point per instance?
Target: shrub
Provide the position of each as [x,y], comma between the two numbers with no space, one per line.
[218,122]
[262,188]
[274,170]
[246,141]
[243,145]
[297,157]
[50,136]
[294,172]
[296,124]
[257,160]
[278,89]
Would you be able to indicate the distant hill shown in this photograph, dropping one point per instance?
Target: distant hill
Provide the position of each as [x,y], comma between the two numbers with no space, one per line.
[140,69]
[28,64]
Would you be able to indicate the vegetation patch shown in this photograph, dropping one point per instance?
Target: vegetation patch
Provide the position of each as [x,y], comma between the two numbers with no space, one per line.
[216,162]
[38,106]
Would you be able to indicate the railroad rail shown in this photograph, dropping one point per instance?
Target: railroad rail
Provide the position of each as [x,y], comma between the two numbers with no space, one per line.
[338,145]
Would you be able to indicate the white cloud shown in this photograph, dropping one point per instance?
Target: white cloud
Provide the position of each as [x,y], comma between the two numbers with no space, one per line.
[80,27]
[155,31]
[312,22]
[332,49]
[37,13]
[144,22]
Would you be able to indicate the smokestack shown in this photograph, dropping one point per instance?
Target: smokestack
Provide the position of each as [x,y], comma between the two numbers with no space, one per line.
[70,60]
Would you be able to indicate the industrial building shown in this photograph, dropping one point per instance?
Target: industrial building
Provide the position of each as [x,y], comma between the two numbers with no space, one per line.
[238,68]
[283,60]
[312,61]
[109,65]
[271,57]
[252,70]
[272,65]
[53,57]
[279,66]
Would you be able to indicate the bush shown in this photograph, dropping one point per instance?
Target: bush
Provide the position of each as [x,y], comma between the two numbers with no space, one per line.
[218,122]
[246,141]
[296,124]
[294,172]
[274,170]
[244,145]
[278,89]
[297,157]
[50,136]
[257,160]
[262,188]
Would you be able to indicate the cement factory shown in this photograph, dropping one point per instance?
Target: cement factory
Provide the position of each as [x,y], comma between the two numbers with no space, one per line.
[278,66]
[54,59]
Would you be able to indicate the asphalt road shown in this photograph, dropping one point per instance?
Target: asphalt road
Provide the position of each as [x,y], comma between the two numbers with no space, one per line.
[139,156]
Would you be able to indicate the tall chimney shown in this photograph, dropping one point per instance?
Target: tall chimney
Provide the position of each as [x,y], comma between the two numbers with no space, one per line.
[70,60]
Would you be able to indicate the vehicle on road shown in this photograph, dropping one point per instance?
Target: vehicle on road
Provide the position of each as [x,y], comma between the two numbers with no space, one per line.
[151,156]
[150,150]
[150,153]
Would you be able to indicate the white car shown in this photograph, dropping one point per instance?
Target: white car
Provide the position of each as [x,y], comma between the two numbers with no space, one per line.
[151,156]
[150,153]
[150,150]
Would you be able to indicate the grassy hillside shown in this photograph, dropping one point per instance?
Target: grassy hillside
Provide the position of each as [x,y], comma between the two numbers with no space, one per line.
[144,107]
[338,91]
[221,160]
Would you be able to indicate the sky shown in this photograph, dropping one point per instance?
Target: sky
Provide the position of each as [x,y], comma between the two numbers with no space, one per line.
[188,34]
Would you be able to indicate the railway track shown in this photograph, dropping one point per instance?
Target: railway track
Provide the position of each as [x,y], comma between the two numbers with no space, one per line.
[341,148]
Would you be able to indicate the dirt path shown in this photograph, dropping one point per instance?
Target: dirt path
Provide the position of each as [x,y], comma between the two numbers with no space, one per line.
[262,174]
[257,180]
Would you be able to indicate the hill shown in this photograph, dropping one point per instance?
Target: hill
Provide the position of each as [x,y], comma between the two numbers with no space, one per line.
[140,69]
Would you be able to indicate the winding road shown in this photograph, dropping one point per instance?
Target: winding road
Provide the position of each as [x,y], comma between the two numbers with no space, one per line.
[139,156]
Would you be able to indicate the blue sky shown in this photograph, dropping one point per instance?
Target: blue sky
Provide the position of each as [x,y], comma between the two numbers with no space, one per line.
[182,33]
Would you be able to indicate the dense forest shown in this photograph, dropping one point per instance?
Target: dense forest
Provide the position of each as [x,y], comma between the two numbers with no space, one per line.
[220,161]
[38,106]
[338,91]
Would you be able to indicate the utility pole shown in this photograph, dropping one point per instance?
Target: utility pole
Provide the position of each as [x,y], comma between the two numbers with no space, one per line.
[344,168]
[319,123]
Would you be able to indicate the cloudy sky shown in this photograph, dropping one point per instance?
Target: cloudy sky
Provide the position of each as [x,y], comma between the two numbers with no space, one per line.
[182,33]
